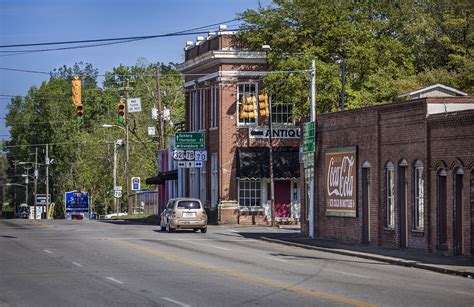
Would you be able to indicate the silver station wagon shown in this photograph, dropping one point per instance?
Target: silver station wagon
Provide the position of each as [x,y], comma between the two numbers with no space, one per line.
[184,213]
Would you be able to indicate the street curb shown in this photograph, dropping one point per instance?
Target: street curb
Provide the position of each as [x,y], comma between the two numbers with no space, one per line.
[391,260]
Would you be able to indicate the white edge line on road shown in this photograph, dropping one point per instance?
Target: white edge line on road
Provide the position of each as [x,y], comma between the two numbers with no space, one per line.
[208,245]
[465,293]
[277,259]
[176,302]
[355,275]
[47,251]
[232,230]
[77,264]
[115,280]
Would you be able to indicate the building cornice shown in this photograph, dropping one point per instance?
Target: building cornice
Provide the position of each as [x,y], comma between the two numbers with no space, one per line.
[211,58]
[226,74]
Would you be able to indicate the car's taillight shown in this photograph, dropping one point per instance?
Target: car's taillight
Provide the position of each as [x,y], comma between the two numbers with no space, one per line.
[174,213]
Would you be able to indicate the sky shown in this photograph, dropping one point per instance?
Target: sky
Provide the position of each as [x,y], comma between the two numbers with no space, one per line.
[38,21]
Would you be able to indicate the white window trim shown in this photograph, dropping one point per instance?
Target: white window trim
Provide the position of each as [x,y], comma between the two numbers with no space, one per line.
[418,191]
[390,197]
[244,124]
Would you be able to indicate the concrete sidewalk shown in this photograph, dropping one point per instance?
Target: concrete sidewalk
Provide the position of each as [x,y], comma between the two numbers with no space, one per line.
[462,266]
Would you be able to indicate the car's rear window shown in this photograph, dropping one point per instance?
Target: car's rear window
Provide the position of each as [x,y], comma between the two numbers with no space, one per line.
[189,205]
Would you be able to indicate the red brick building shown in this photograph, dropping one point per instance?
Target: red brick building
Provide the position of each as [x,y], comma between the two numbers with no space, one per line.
[397,175]
[221,77]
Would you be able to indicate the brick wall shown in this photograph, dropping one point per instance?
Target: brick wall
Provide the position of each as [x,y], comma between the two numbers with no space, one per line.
[402,133]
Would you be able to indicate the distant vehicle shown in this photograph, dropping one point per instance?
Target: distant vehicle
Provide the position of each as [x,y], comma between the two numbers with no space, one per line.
[111,215]
[24,211]
[184,213]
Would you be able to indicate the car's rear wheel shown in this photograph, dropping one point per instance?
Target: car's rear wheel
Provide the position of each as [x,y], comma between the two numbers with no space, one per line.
[204,230]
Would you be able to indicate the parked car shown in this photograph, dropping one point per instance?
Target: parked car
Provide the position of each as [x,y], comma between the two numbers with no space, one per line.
[184,213]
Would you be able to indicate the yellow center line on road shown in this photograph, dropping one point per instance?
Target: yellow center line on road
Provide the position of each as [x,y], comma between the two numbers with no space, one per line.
[257,280]
[39,223]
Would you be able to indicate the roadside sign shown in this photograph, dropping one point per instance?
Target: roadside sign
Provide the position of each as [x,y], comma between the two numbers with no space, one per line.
[198,164]
[135,183]
[189,164]
[179,154]
[151,131]
[77,202]
[134,105]
[309,142]
[181,164]
[189,140]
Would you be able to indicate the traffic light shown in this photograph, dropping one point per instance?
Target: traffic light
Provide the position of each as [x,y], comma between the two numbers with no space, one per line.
[249,107]
[121,110]
[77,98]
[263,105]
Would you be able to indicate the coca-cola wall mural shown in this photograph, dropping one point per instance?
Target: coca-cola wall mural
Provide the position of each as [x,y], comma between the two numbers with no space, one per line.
[341,181]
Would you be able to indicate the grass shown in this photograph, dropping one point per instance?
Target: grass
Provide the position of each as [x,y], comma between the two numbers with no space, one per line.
[140,218]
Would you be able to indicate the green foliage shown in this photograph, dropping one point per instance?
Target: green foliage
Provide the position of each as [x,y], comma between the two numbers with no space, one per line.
[83,154]
[388,48]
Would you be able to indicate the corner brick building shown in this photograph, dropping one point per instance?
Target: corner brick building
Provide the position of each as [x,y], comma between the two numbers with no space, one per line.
[398,175]
[220,77]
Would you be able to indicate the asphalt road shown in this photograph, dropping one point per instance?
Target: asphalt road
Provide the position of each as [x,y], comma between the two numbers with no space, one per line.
[93,263]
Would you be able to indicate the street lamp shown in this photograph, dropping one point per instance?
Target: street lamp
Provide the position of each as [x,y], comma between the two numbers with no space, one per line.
[126,160]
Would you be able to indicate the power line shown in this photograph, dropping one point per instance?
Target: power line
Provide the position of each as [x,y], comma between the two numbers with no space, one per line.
[178,33]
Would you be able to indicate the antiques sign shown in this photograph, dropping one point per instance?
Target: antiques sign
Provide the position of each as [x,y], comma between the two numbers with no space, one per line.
[341,181]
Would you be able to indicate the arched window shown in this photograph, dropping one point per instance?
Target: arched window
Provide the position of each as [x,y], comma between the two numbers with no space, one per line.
[418,200]
[390,195]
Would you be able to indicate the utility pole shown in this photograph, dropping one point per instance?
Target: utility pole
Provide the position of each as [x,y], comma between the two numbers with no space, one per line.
[36,178]
[313,119]
[127,145]
[160,109]
[47,182]
[270,150]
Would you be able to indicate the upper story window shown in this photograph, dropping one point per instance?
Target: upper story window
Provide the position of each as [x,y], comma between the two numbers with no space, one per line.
[247,103]
[197,109]
[418,202]
[282,113]
[213,107]
[389,219]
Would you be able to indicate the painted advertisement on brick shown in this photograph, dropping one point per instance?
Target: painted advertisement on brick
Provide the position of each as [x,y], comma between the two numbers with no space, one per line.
[341,181]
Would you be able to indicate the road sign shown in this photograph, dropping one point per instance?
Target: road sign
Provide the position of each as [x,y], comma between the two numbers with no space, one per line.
[197,163]
[189,164]
[151,131]
[309,140]
[135,183]
[179,154]
[134,105]
[200,155]
[41,199]
[189,140]
[117,194]
[181,164]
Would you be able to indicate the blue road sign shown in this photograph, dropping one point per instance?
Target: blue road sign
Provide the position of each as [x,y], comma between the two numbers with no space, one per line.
[77,202]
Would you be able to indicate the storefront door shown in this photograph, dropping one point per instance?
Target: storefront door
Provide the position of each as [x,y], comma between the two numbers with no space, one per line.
[282,190]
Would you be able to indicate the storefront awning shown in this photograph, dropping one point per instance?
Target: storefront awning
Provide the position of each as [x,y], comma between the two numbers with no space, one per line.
[162,177]
[254,163]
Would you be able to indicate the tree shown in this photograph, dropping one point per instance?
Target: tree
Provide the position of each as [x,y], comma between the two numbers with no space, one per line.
[388,49]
